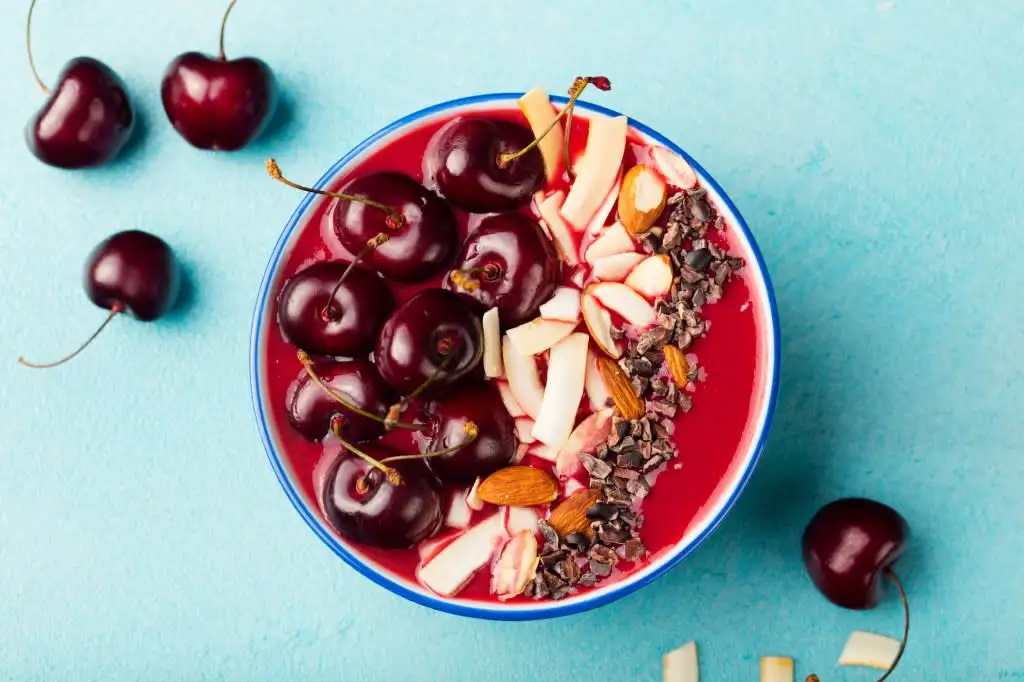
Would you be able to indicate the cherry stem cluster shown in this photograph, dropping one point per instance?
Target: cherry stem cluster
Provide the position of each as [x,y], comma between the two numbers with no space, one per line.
[396,410]
[307,364]
[115,310]
[381,238]
[393,221]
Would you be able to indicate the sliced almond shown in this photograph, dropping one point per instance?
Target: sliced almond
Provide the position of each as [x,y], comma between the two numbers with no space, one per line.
[625,302]
[627,402]
[652,278]
[570,516]
[678,366]
[519,486]
[516,566]
[673,168]
[641,199]
[586,437]
[599,324]
[563,306]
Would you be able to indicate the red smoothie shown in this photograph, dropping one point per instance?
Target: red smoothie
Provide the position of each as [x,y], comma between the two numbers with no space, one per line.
[711,438]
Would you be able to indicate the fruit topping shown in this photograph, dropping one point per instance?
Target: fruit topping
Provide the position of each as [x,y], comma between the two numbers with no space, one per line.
[516,566]
[435,338]
[594,385]
[132,271]
[333,308]
[567,366]
[491,323]
[368,505]
[493,446]
[459,514]
[512,405]
[642,198]
[523,379]
[519,486]
[509,263]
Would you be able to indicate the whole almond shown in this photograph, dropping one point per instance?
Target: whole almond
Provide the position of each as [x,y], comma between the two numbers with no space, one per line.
[678,366]
[518,486]
[642,198]
[570,516]
[628,403]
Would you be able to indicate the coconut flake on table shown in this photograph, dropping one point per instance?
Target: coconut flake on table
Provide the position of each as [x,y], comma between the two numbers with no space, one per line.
[681,665]
[868,650]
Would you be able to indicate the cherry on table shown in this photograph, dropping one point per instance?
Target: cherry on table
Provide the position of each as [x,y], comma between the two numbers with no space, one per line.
[132,271]
[849,546]
[333,308]
[465,162]
[399,227]
[508,262]
[429,343]
[493,446]
[218,103]
[370,497]
[346,398]
[87,117]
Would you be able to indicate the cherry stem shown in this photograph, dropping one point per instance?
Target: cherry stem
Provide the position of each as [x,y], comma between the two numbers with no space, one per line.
[578,86]
[471,435]
[464,278]
[361,487]
[394,218]
[370,245]
[28,48]
[906,623]
[223,23]
[114,312]
[307,365]
[395,411]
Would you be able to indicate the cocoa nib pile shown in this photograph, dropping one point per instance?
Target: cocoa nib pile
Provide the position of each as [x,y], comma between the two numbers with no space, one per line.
[623,467]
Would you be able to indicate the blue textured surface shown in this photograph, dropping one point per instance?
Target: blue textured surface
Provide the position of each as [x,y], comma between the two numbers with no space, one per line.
[875,151]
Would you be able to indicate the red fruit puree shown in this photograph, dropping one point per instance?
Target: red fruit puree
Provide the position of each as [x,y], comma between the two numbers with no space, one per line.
[711,437]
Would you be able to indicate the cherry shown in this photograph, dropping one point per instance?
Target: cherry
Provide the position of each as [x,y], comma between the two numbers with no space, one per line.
[463,160]
[848,546]
[218,103]
[87,117]
[429,343]
[393,506]
[131,271]
[420,248]
[314,408]
[494,446]
[333,308]
[508,262]
[405,231]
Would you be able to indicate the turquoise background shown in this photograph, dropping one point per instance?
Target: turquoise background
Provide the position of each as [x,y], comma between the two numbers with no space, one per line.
[875,150]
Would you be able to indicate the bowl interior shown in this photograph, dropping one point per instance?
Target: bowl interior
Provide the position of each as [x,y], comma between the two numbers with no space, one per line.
[714,509]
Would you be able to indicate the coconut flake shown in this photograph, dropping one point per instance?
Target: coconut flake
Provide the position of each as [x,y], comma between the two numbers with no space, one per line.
[776,669]
[868,650]
[681,665]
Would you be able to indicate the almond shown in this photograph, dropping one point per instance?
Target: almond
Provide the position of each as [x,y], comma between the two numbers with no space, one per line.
[626,400]
[518,486]
[571,515]
[678,367]
[641,199]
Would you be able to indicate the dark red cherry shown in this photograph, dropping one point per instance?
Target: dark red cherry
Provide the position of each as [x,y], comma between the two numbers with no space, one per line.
[363,504]
[325,311]
[508,262]
[215,102]
[494,446]
[315,411]
[464,161]
[435,336]
[132,271]
[848,546]
[420,248]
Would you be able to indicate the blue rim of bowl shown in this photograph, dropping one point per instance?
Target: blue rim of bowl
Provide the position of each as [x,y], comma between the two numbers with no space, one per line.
[556,609]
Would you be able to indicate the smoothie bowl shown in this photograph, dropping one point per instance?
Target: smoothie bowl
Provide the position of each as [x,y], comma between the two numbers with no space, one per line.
[512,379]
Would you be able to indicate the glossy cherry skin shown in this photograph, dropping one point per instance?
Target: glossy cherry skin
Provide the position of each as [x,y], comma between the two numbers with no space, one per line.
[218,104]
[345,326]
[385,515]
[847,546]
[135,271]
[420,248]
[419,335]
[463,161]
[86,119]
[315,414]
[528,267]
[494,446]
